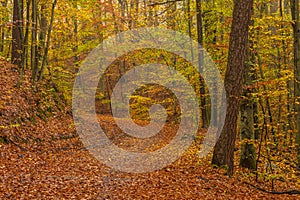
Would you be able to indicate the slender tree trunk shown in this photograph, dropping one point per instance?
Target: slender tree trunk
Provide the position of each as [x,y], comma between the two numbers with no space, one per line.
[34,47]
[224,149]
[189,18]
[17,32]
[25,42]
[150,20]
[248,157]
[136,13]
[43,29]
[203,103]
[23,63]
[286,126]
[171,22]
[75,32]
[45,57]
[2,29]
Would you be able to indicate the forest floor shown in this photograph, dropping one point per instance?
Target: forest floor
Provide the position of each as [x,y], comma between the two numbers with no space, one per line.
[42,157]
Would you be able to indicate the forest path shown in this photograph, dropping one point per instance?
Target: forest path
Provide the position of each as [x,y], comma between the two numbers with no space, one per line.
[61,168]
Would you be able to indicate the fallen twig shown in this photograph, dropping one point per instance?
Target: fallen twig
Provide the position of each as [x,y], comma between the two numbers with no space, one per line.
[275,192]
[12,142]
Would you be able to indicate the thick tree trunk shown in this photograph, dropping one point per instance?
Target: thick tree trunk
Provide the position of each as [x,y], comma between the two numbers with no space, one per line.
[296,29]
[224,149]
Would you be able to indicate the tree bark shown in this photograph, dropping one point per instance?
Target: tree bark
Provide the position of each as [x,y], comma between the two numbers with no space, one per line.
[2,29]
[17,32]
[203,103]
[224,149]
[296,30]
[25,41]
[248,157]
[34,49]
[45,57]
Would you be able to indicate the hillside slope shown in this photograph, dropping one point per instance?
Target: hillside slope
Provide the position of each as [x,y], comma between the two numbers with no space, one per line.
[42,157]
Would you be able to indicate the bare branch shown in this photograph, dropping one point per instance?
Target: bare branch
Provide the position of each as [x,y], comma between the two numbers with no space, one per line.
[163,3]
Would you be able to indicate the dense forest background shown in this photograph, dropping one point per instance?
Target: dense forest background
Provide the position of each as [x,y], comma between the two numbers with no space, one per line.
[47,41]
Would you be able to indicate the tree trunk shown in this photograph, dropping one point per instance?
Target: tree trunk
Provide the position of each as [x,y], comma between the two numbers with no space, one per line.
[171,21]
[296,29]
[248,157]
[17,32]
[43,29]
[75,31]
[34,49]
[2,29]
[45,57]
[25,41]
[203,103]
[224,149]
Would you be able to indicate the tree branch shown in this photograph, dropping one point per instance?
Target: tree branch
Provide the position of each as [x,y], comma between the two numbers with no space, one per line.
[163,3]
